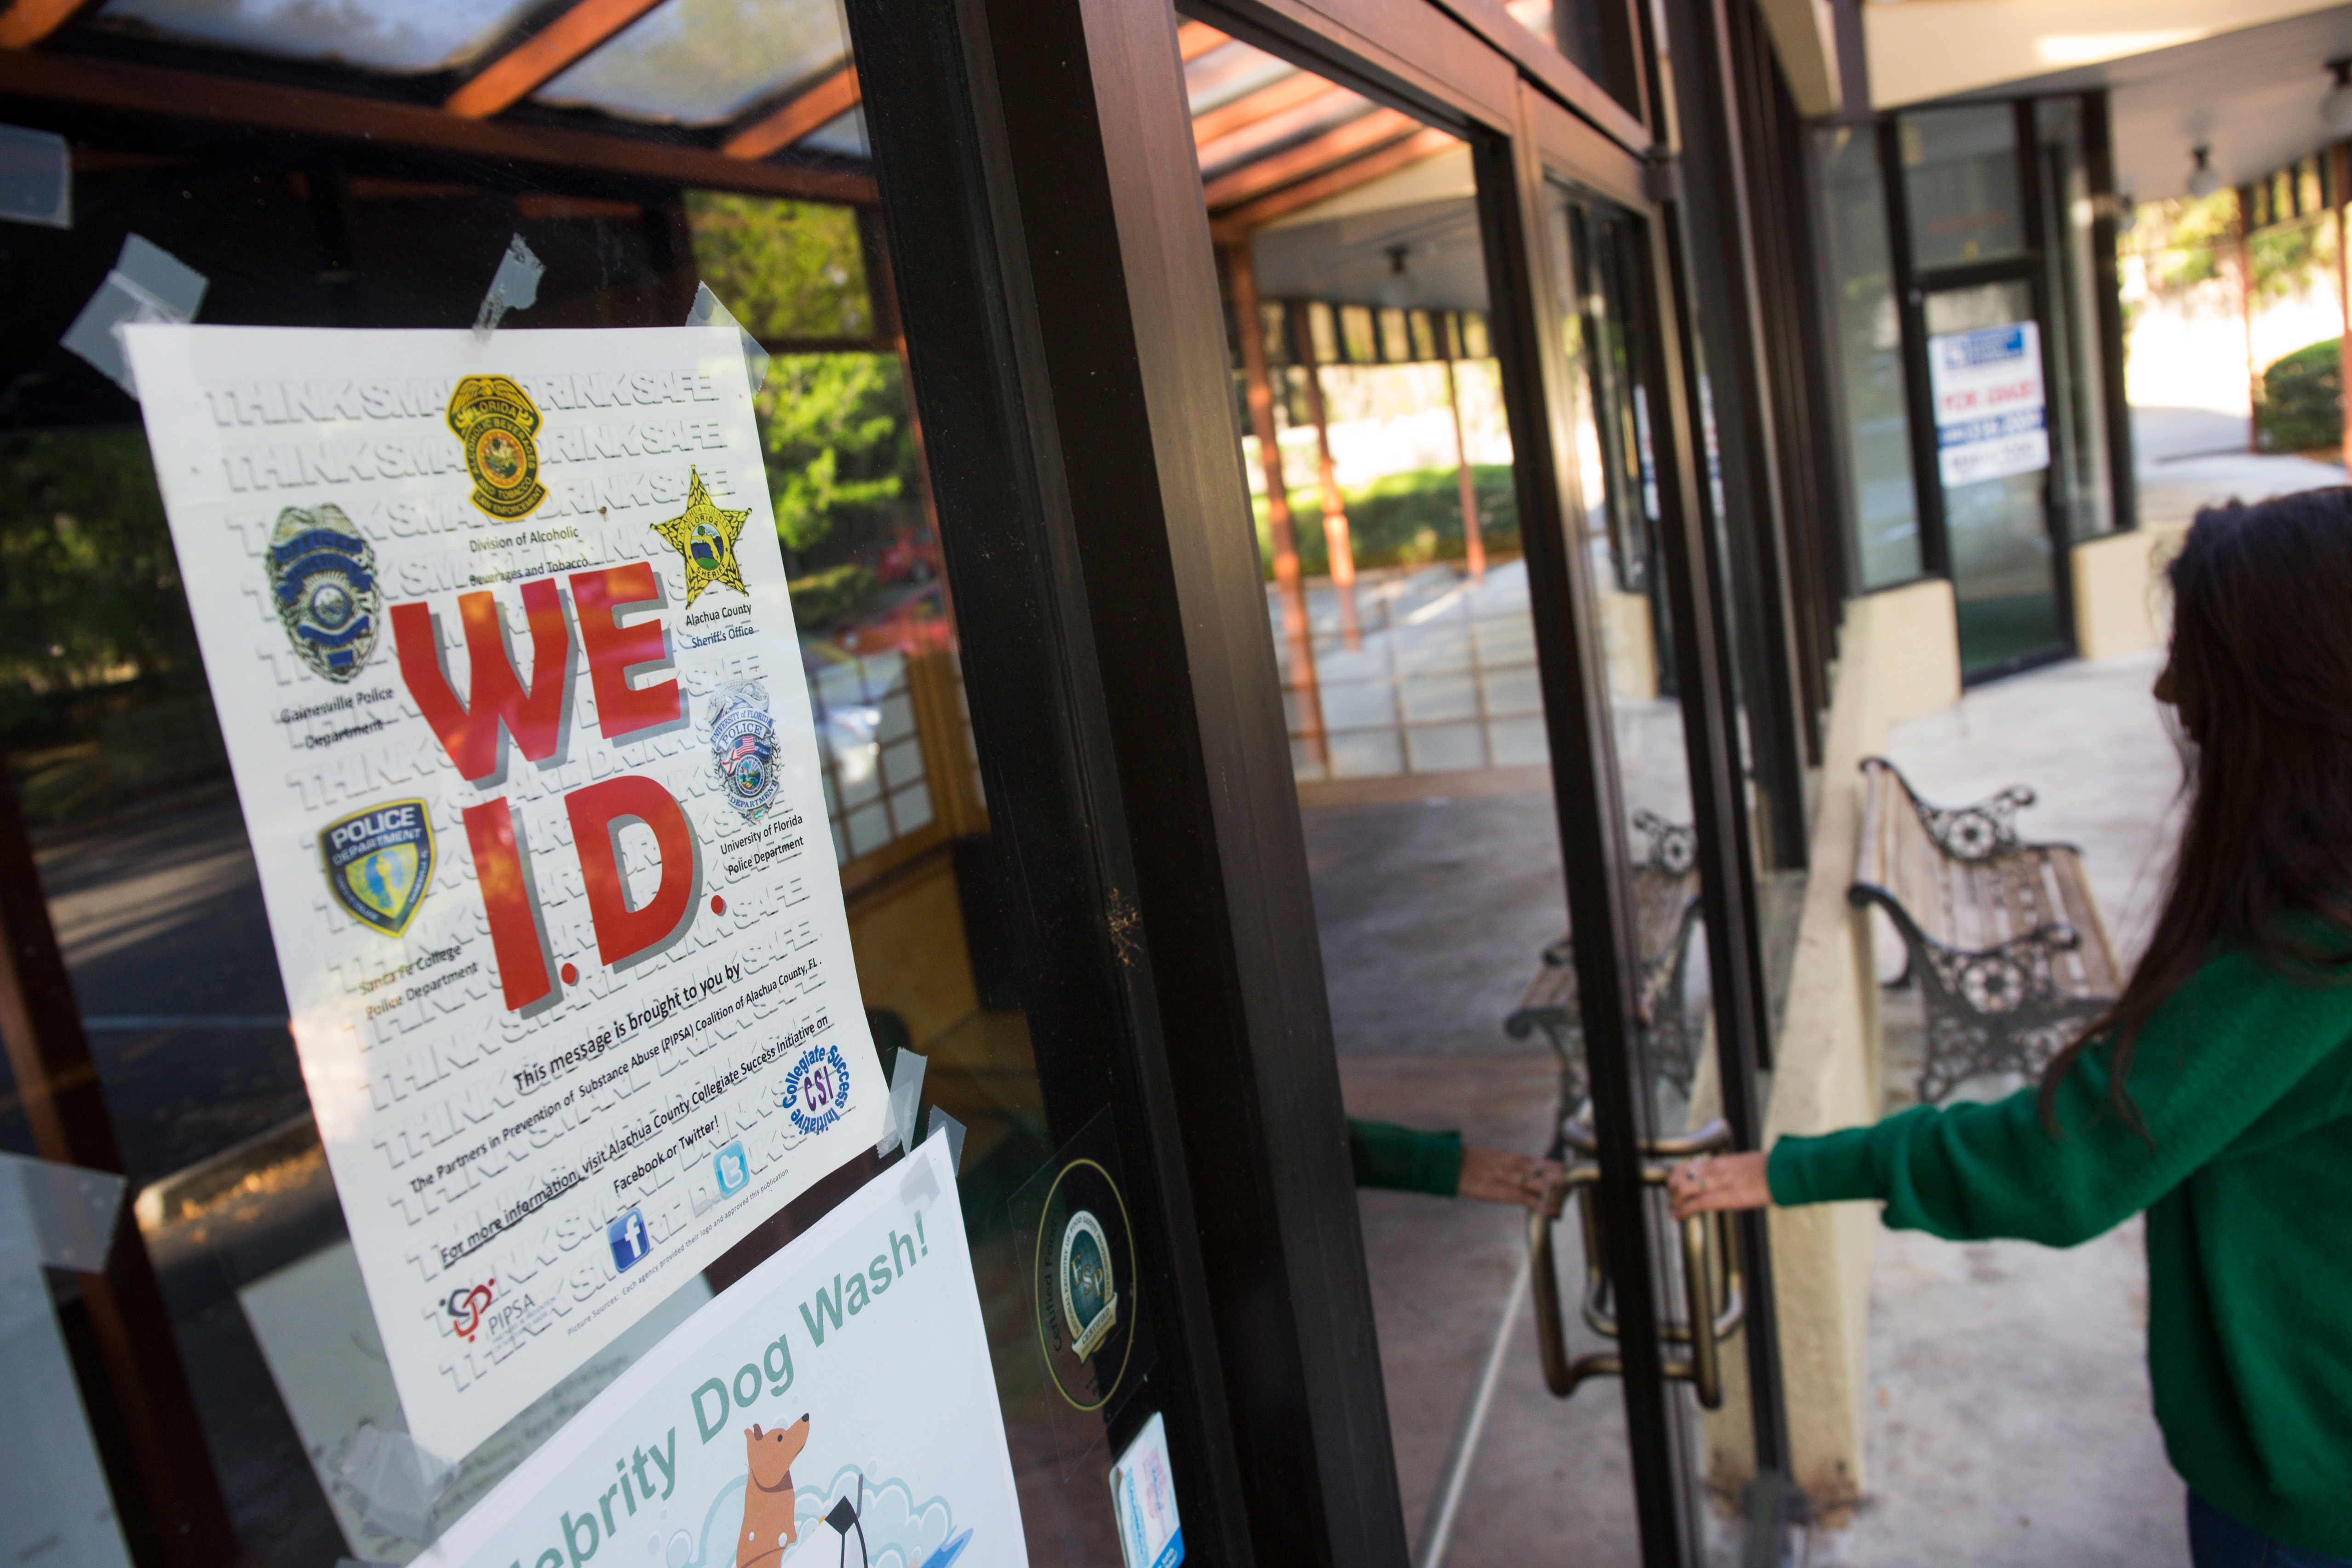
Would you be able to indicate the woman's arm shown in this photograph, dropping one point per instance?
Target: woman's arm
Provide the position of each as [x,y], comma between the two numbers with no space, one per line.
[1405,1159]
[2238,1046]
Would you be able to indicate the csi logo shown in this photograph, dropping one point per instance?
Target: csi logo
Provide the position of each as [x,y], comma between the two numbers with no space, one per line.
[627,1237]
[816,1090]
[466,1307]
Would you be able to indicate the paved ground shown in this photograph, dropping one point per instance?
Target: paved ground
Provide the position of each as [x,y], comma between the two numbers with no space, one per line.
[2009,1415]
[2009,1424]
[159,916]
[2189,457]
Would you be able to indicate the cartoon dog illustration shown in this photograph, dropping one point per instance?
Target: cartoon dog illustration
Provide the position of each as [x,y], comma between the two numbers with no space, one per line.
[768,1494]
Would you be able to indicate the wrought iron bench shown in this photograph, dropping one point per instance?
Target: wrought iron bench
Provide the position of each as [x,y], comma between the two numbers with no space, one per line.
[1665,913]
[2003,936]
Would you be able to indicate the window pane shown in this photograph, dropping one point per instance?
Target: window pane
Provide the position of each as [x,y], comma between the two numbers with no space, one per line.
[1871,389]
[1959,181]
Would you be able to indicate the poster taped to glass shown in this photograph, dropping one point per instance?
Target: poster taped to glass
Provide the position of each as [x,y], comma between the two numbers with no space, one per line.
[498,637]
[1991,420]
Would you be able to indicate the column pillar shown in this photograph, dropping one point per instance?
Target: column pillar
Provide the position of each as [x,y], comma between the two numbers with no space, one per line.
[1336,538]
[1297,636]
[1473,544]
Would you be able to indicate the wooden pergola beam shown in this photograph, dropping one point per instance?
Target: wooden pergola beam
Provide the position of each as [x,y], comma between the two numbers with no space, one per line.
[1346,142]
[380,123]
[1232,226]
[828,101]
[27,22]
[1194,39]
[514,75]
[1251,109]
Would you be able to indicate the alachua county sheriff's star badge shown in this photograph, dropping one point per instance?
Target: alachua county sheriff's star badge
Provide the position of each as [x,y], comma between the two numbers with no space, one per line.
[704,536]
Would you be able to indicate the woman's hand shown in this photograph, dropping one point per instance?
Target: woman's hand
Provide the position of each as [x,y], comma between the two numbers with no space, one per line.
[1500,1176]
[1718,1182]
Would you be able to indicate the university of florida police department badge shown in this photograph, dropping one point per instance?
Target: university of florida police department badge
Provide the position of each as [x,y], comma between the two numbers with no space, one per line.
[379,862]
[743,748]
[496,422]
[322,579]
[704,535]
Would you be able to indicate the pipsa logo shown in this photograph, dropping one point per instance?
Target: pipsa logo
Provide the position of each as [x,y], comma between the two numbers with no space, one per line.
[466,1306]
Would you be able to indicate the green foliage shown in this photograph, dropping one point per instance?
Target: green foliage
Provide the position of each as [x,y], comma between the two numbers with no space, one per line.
[822,598]
[2288,261]
[2302,409]
[786,270]
[2184,240]
[840,449]
[101,692]
[90,590]
[1402,520]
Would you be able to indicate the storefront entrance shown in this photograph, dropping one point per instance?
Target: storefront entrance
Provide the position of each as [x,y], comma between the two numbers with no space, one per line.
[1991,214]
[1024,294]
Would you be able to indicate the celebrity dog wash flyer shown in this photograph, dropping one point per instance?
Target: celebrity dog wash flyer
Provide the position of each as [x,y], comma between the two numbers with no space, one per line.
[836,1404]
[499,639]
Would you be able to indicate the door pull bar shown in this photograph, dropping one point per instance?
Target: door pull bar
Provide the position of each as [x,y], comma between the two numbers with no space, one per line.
[1712,1299]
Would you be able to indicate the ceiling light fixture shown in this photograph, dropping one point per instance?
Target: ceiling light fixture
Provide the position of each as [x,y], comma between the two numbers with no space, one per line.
[2202,180]
[2335,108]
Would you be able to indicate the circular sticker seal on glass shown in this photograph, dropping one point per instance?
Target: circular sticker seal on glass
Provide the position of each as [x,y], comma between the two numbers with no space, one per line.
[1078,1238]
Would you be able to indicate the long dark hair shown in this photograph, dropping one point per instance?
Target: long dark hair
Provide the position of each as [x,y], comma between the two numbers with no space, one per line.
[2261,674]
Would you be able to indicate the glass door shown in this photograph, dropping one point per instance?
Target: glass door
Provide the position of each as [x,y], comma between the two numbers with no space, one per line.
[1992,466]
[1968,225]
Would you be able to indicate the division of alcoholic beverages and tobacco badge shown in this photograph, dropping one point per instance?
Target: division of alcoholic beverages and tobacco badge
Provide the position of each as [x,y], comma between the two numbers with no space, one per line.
[552,1038]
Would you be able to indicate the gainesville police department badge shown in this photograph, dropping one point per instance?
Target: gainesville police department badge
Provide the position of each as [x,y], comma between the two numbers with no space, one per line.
[379,863]
[495,421]
[743,748]
[322,579]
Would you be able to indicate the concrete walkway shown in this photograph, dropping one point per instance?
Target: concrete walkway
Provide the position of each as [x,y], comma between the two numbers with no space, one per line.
[2190,457]
[2009,1418]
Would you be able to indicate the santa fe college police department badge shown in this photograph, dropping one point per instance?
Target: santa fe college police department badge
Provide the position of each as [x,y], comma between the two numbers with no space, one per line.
[379,862]
[322,580]
[495,421]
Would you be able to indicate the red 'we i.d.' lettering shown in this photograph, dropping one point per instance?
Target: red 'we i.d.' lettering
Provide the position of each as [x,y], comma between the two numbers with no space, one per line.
[499,700]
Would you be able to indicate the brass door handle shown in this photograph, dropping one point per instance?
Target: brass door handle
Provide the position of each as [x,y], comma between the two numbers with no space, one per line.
[1713,1304]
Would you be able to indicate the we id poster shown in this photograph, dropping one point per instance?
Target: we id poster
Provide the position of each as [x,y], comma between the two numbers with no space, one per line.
[834,1404]
[499,639]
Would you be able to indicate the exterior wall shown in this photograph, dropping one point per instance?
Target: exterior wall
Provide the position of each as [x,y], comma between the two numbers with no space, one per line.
[1900,656]
[2120,601]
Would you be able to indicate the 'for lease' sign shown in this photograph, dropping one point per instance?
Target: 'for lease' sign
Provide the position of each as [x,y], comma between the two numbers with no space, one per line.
[1990,409]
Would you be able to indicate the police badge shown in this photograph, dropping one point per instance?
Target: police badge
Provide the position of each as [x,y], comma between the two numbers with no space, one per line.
[743,748]
[380,863]
[322,579]
[495,421]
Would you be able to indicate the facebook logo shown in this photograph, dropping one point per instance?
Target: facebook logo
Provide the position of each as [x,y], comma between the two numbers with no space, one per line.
[628,1239]
[731,1169]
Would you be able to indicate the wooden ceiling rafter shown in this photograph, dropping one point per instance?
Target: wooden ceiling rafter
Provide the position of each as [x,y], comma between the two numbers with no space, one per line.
[508,78]
[1194,39]
[1255,108]
[1309,158]
[27,22]
[828,101]
[224,101]
[1237,224]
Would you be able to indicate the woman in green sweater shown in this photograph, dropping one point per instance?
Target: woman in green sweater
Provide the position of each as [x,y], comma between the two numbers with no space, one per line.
[2216,1093]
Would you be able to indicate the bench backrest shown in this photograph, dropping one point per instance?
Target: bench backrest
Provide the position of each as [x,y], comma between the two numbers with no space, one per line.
[1963,878]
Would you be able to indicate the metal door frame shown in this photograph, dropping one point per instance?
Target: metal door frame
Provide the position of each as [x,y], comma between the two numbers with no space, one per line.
[1912,287]
[1093,348]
